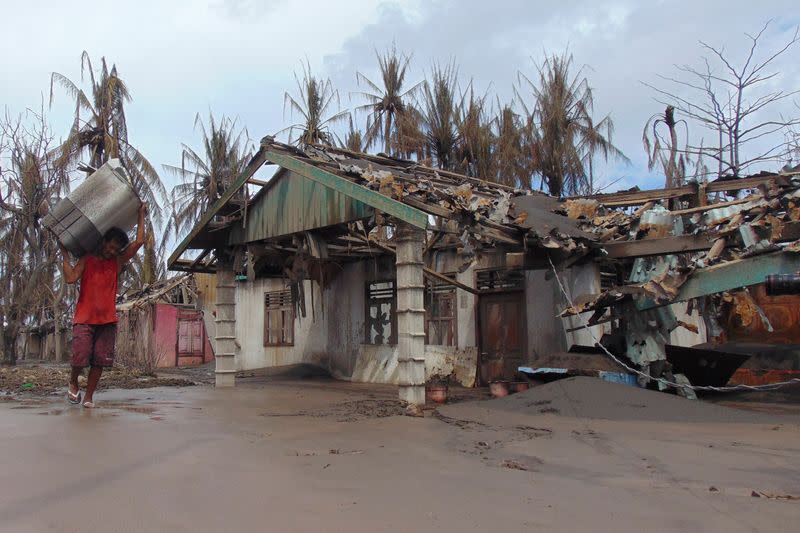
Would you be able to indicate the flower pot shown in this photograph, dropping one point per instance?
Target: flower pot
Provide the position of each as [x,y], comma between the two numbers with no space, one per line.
[436,393]
[498,389]
[518,386]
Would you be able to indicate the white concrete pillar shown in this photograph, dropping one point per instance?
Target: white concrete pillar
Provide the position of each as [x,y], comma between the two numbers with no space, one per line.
[410,313]
[225,339]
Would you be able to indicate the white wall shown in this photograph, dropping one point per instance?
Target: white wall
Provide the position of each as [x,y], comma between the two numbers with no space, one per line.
[333,336]
[310,342]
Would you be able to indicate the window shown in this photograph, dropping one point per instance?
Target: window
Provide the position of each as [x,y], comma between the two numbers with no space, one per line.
[440,313]
[278,318]
[381,319]
[500,280]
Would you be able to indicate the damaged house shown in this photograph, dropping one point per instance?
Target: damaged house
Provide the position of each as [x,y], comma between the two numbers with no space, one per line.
[384,270]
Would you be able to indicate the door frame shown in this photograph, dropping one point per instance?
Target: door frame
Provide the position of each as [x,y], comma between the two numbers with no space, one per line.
[521,291]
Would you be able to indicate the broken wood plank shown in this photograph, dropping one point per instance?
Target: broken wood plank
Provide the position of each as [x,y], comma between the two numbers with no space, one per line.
[703,208]
[427,271]
[432,242]
[623,199]
[738,184]
[431,209]
[663,246]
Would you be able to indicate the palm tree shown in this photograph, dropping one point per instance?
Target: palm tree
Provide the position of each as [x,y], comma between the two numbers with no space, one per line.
[439,115]
[674,165]
[512,166]
[561,134]
[474,153]
[225,153]
[354,141]
[313,102]
[103,134]
[388,104]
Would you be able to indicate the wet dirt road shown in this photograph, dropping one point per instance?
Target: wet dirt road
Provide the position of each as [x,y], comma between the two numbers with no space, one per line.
[284,455]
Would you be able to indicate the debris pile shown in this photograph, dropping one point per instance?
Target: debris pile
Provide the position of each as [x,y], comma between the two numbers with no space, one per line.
[687,239]
[652,243]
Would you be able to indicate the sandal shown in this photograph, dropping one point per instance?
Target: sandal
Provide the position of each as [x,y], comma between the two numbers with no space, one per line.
[74,399]
[88,405]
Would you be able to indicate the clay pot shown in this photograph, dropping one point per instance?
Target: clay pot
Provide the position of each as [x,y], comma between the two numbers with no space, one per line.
[518,386]
[498,389]
[436,393]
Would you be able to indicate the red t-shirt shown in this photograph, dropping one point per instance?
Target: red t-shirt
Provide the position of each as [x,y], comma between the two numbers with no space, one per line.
[97,301]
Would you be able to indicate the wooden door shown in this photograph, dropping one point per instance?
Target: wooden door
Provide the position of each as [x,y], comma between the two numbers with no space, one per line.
[191,338]
[501,318]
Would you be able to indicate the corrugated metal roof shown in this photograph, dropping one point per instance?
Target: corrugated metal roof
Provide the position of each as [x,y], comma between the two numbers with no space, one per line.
[293,204]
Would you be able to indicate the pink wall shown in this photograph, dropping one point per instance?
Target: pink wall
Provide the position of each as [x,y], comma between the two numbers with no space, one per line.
[165,329]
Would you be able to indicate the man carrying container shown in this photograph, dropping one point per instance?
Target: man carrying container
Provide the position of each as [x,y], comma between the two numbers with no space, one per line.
[95,322]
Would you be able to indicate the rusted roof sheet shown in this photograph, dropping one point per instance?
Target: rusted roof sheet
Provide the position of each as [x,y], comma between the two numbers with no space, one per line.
[293,204]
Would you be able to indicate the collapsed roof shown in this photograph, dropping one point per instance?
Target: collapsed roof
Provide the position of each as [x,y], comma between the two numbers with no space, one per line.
[344,197]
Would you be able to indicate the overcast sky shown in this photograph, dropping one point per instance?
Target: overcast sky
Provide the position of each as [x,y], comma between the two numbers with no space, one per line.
[237,57]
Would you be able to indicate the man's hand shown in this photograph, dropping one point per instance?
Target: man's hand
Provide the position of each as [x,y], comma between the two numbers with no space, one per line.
[133,247]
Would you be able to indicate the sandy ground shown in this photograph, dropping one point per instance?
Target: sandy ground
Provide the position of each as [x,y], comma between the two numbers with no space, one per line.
[289,454]
[31,379]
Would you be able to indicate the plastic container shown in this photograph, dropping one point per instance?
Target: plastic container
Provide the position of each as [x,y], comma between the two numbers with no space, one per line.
[103,201]
[622,378]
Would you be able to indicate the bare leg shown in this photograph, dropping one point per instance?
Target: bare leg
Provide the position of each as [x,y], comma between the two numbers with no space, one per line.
[73,379]
[91,385]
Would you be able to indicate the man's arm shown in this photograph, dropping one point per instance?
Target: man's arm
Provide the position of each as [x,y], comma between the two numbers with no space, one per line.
[133,247]
[71,273]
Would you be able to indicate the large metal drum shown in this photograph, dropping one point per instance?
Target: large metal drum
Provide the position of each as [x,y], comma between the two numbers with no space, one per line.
[103,201]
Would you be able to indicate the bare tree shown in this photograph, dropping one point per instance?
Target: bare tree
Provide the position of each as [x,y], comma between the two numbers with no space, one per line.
[736,102]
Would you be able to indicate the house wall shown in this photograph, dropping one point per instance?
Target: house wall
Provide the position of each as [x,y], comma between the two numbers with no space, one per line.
[332,334]
[165,330]
[309,334]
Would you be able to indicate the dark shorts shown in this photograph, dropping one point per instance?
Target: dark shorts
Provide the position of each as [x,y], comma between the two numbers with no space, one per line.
[93,345]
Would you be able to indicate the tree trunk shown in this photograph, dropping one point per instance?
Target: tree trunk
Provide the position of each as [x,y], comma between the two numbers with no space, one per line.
[10,344]
[673,180]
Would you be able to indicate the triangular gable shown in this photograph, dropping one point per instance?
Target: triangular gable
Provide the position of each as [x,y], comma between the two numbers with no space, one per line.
[292,203]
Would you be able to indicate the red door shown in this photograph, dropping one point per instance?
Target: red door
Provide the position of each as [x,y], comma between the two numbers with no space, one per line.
[191,338]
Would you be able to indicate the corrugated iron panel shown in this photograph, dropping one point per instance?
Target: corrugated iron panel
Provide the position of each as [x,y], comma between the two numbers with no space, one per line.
[294,204]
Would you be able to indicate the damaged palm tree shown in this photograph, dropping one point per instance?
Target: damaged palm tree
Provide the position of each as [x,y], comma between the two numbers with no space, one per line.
[32,293]
[439,115]
[388,104]
[314,103]
[100,130]
[205,177]
[562,136]
[665,154]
